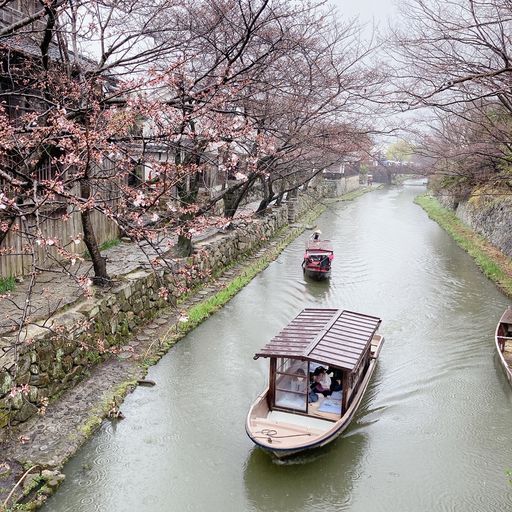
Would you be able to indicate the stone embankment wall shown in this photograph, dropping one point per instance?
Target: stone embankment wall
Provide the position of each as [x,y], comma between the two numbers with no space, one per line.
[489,214]
[336,188]
[55,357]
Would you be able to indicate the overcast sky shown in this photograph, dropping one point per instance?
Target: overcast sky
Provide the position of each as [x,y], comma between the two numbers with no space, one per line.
[367,10]
[373,12]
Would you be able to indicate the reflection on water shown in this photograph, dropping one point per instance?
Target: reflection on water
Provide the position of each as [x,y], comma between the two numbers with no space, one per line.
[318,480]
[433,430]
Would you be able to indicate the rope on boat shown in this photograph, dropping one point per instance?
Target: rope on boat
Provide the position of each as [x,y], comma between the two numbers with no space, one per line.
[271,433]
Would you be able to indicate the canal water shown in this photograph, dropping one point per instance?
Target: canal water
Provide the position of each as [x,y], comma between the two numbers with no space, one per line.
[432,433]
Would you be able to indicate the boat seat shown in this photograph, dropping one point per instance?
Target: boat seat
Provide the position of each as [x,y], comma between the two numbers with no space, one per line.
[298,421]
[313,411]
[298,427]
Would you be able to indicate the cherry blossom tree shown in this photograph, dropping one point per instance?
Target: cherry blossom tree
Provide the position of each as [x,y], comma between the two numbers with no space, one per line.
[117,112]
[454,57]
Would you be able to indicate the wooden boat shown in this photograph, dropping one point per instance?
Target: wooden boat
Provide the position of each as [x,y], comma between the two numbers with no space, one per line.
[284,420]
[504,342]
[317,259]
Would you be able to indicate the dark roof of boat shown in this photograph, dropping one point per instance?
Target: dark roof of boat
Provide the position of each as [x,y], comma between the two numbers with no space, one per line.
[335,337]
[507,316]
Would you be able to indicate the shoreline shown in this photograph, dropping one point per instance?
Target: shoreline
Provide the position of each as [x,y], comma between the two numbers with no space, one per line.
[74,417]
[493,263]
[29,452]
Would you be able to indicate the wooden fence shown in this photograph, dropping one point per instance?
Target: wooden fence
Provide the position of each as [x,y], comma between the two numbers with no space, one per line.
[19,260]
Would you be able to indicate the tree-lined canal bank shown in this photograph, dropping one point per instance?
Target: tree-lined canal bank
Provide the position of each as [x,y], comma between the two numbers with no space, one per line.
[432,432]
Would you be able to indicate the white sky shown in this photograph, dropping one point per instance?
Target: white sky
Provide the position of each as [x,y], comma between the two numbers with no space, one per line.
[368,11]
[378,13]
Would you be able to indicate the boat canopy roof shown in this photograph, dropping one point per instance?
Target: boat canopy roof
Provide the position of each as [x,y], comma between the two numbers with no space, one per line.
[507,316]
[335,337]
[319,246]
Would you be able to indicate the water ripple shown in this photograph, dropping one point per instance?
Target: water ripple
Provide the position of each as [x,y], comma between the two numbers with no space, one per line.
[432,432]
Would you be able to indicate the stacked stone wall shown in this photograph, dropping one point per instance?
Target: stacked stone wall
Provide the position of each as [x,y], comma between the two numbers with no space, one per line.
[339,187]
[490,215]
[54,357]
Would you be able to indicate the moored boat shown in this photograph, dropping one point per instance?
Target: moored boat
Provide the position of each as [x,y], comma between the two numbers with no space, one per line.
[318,257]
[503,340]
[291,416]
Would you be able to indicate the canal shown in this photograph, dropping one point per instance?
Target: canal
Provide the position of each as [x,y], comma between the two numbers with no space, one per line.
[432,433]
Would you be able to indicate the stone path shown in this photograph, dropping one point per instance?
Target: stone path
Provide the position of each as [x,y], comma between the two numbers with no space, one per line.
[55,290]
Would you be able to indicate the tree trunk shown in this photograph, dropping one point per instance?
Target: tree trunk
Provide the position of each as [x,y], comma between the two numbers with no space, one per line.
[187,191]
[184,247]
[268,195]
[233,197]
[99,262]
[9,222]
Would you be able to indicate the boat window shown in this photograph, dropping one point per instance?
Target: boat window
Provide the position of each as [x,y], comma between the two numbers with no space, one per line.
[314,365]
[291,389]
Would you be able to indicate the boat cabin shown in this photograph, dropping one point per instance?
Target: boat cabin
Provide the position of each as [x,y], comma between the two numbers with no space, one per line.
[342,342]
[318,257]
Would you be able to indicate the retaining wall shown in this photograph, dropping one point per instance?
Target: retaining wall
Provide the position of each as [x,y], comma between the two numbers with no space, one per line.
[490,215]
[339,187]
[47,360]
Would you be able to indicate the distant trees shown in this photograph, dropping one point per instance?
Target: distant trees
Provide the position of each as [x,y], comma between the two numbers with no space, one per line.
[455,57]
[400,151]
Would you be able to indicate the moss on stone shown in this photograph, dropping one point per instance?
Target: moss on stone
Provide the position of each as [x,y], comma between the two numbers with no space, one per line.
[203,310]
[59,355]
[91,425]
[94,421]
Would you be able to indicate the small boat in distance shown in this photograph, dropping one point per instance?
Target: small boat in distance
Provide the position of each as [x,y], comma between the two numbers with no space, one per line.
[504,342]
[318,257]
[291,416]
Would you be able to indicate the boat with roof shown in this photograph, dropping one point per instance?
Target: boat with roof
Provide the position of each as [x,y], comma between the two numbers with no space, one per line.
[503,338]
[295,413]
[318,257]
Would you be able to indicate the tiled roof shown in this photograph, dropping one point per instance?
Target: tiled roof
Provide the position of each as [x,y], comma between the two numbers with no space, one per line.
[334,337]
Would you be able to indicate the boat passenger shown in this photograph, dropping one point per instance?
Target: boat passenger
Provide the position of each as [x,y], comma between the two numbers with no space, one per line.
[336,381]
[299,383]
[321,382]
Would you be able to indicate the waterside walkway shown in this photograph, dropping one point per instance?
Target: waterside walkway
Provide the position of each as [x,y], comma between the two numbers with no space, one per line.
[48,440]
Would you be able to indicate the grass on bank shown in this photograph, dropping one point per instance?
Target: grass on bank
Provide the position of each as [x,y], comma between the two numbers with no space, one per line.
[108,244]
[200,312]
[493,263]
[7,284]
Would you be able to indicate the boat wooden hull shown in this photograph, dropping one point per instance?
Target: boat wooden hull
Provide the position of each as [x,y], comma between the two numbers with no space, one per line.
[504,345]
[285,440]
